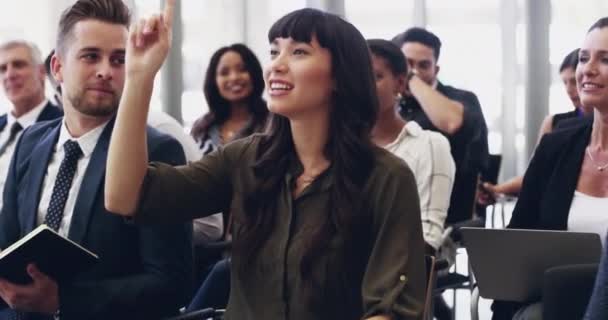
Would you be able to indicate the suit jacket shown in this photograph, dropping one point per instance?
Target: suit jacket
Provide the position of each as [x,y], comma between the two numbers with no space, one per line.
[548,188]
[559,117]
[143,272]
[573,122]
[49,112]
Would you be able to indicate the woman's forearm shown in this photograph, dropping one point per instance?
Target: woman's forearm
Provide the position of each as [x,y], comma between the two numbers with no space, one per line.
[128,155]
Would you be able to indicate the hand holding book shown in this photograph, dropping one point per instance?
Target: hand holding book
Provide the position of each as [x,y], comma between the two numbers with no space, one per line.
[40,296]
[32,268]
[54,255]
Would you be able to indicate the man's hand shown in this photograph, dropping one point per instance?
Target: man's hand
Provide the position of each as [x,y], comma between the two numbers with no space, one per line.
[487,194]
[412,72]
[149,43]
[40,296]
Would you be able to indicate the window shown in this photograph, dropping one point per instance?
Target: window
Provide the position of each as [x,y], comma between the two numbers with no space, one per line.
[570,21]
[475,66]
[384,19]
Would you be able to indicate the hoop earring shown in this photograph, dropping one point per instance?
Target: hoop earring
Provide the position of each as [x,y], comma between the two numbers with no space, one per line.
[398,97]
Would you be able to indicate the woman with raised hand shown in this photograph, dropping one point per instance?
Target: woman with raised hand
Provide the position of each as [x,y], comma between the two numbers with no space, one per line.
[326,225]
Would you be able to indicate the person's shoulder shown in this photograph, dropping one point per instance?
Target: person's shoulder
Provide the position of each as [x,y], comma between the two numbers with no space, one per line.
[572,122]
[244,148]
[155,136]
[51,111]
[39,129]
[561,140]
[435,138]
[35,133]
[390,175]
[569,133]
[388,165]
[160,143]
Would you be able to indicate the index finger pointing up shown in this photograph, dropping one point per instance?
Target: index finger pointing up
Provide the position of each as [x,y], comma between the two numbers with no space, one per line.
[168,12]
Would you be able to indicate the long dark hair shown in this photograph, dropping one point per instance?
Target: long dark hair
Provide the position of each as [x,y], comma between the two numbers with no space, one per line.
[349,149]
[219,108]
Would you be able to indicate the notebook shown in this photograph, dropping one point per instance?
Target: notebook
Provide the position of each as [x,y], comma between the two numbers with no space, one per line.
[55,255]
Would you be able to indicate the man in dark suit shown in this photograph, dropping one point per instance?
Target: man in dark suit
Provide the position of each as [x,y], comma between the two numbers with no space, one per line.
[22,74]
[56,177]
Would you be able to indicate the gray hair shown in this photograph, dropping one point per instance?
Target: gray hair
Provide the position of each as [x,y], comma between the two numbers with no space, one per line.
[35,54]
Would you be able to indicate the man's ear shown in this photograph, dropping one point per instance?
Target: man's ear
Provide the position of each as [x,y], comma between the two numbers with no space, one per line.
[436,70]
[56,68]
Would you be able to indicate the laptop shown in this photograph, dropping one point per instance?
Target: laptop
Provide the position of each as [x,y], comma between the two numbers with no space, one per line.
[509,264]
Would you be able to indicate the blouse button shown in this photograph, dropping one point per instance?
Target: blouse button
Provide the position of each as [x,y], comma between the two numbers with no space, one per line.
[402,278]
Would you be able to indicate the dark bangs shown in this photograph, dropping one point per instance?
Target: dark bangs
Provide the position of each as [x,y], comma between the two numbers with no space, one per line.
[301,25]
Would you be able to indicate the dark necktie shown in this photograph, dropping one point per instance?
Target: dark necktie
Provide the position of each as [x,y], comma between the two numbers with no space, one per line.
[15,128]
[63,182]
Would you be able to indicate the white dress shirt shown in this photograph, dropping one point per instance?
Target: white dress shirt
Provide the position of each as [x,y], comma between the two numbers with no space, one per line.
[427,153]
[25,121]
[87,143]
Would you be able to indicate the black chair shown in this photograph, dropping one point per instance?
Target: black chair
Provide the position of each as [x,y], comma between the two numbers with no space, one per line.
[567,290]
[565,294]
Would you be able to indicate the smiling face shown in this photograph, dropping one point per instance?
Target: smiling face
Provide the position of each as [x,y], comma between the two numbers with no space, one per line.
[22,78]
[232,77]
[592,70]
[298,78]
[91,69]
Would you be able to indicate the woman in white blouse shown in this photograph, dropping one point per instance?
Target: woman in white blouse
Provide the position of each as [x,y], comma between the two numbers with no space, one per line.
[426,152]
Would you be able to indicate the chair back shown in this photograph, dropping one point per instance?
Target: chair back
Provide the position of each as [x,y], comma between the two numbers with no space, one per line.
[567,290]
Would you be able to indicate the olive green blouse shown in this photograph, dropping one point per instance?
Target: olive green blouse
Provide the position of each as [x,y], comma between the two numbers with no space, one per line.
[392,277]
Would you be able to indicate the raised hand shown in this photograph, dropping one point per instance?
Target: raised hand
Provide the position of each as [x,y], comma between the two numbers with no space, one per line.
[149,42]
